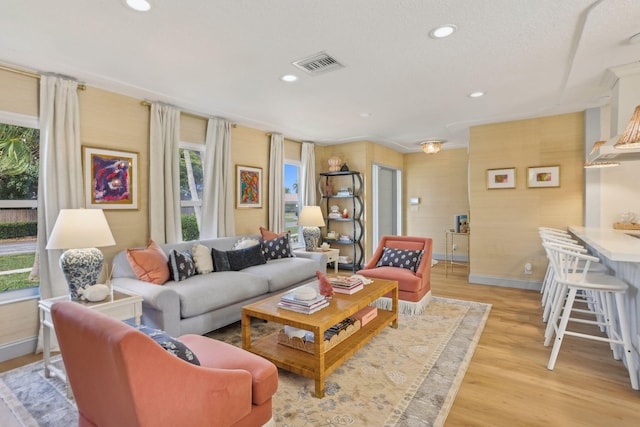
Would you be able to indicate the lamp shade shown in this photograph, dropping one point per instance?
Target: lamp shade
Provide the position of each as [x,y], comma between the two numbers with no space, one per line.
[311,216]
[80,228]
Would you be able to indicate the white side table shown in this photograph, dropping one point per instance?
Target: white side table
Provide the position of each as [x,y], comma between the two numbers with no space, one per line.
[121,305]
[332,256]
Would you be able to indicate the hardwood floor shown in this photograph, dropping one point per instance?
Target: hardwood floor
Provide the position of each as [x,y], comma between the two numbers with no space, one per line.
[508,384]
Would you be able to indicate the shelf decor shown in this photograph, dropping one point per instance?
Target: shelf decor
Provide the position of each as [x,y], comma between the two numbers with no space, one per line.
[111,178]
[249,187]
[543,176]
[501,178]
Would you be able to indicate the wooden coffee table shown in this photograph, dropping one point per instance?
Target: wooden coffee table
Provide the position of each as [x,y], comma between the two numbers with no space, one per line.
[322,362]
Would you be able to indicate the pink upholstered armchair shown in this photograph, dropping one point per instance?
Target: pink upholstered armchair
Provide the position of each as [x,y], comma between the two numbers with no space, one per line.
[121,377]
[414,288]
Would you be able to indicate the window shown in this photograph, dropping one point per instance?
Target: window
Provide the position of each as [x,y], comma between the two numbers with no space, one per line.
[19,167]
[292,200]
[191,186]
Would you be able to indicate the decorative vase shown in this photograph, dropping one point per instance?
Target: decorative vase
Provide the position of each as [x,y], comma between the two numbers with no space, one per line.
[334,164]
[344,168]
[81,268]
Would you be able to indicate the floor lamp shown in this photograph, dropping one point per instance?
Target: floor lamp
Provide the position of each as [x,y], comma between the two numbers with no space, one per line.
[80,232]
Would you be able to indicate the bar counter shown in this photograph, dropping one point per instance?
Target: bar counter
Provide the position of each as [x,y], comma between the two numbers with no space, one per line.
[619,251]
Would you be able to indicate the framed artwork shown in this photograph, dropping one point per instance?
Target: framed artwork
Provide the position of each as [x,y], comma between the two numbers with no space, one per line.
[249,187]
[110,178]
[501,178]
[543,176]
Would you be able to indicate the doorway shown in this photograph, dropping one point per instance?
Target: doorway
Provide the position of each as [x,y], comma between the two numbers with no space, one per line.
[387,202]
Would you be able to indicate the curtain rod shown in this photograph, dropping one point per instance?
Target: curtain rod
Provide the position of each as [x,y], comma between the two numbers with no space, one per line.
[189,113]
[290,139]
[81,86]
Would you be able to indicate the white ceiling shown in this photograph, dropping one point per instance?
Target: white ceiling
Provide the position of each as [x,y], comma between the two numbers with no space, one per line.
[224,58]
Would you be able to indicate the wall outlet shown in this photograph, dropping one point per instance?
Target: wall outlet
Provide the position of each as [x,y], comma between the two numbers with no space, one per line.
[454,247]
[528,268]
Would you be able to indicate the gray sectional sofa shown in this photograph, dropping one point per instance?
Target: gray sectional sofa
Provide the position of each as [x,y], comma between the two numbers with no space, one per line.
[206,302]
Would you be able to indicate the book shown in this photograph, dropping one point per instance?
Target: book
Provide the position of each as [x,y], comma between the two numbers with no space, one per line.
[348,291]
[290,298]
[344,281]
[303,310]
[461,223]
[301,306]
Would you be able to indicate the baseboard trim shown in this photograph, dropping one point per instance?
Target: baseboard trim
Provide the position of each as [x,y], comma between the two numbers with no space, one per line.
[531,285]
[18,348]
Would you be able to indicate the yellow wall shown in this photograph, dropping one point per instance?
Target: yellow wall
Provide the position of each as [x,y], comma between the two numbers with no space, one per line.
[504,222]
[440,181]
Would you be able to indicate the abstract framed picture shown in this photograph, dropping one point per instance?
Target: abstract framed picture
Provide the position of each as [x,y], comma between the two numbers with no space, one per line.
[111,178]
[501,178]
[249,187]
[543,176]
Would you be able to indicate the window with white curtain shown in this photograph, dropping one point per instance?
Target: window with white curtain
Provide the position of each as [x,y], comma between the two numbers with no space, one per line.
[292,199]
[191,187]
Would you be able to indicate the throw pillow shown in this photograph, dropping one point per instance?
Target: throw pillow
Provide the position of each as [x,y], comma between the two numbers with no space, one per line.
[277,248]
[181,265]
[238,259]
[150,263]
[220,260]
[172,345]
[246,242]
[202,258]
[403,258]
[268,235]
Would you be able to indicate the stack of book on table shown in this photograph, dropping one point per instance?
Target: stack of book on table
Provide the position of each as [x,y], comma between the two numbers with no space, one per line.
[290,302]
[345,284]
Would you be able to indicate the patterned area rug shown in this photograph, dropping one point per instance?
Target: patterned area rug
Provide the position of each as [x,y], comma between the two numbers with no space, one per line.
[403,377]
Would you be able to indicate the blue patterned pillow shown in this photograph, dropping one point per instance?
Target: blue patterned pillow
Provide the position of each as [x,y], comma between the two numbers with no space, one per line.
[172,345]
[403,258]
[181,265]
[277,248]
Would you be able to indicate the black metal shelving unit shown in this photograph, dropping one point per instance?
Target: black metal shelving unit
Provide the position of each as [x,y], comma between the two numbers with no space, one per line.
[354,201]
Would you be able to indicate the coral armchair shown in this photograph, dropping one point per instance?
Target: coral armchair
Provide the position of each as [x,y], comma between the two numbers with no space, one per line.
[121,377]
[414,287]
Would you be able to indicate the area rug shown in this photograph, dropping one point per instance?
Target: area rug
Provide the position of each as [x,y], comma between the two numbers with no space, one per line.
[403,377]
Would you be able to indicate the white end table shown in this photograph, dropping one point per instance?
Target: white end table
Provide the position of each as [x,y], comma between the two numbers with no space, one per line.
[332,256]
[120,305]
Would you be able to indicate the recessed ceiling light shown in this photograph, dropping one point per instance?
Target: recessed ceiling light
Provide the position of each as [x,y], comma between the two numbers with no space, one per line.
[443,31]
[476,94]
[139,5]
[365,115]
[289,78]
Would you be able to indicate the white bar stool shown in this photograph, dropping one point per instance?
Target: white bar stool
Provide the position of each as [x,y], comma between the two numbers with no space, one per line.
[608,306]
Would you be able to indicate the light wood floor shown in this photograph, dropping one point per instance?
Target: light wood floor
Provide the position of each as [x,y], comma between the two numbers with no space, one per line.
[508,384]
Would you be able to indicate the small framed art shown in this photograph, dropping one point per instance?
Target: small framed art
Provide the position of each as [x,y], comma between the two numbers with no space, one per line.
[543,176]
[249,187]
[501,178]
[111,178]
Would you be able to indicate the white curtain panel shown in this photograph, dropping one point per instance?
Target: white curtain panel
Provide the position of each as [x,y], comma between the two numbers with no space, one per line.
[276,184]
[217,200]
[164,174]
[60,177]
[308,174]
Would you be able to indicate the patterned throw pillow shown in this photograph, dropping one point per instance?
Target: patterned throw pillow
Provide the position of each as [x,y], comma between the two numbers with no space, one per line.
[403,258]
[202,258]
[181,265]
[172,345]
[277,248]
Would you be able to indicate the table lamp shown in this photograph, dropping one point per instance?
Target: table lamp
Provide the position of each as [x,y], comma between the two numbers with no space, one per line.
[80,232]
[311,219]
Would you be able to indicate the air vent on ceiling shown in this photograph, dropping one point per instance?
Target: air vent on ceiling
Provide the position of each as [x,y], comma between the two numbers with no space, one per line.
[318,63]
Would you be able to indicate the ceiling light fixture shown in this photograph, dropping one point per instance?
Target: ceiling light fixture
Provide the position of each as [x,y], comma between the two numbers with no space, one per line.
[138,5]
[431,146]
[477,94]
[289,78]
[631,136]
[593,165]
[365,115]
[442,31]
